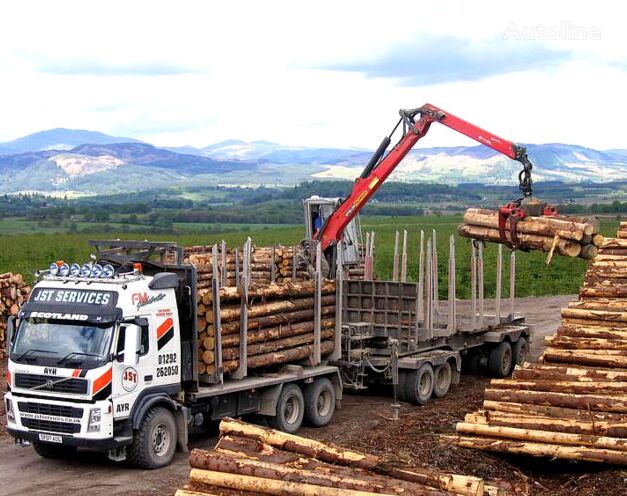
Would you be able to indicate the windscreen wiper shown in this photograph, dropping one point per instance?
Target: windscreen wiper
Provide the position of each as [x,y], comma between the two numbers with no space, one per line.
[33,350]
[72,353]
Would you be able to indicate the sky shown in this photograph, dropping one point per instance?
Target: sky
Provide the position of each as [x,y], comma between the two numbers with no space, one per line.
[323,73]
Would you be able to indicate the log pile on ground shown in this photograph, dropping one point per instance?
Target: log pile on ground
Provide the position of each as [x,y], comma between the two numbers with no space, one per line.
[255,460]
[263,266]
[622,231]
[13,292]
[573,404]
[280,325]
[567,236]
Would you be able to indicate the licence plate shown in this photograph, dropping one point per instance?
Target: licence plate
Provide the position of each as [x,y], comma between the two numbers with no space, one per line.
[50,438]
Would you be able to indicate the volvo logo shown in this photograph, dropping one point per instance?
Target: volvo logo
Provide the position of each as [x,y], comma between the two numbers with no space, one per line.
[49,384]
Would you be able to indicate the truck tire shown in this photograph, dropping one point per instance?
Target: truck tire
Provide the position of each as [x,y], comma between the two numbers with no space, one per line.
[419,384]
[154,443]
[290,410]
[519,352]
[442,378]
[500,360]
[319,402]
[47,450]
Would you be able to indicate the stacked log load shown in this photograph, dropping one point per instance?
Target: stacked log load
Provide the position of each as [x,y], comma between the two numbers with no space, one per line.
[573,403]
[13,293]
[263,266]
[280,324]
[622,231]
[567,236]
[254,460]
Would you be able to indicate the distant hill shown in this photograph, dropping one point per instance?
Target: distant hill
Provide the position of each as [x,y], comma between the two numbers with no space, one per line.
[58,139]
[109,165]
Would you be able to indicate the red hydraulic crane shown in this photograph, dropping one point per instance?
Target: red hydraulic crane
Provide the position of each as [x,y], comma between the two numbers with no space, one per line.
[380,167]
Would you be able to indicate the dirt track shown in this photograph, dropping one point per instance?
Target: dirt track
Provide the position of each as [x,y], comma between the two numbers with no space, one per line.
[413,439]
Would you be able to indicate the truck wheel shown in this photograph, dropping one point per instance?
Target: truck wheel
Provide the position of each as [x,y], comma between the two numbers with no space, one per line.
[290,410]
[319,402]
[419,385]
[443,377]
[154,443]
[519,352]
[500,360]
[47,450]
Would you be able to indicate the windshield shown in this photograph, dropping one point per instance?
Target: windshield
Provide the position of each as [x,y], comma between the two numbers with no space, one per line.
[61,343]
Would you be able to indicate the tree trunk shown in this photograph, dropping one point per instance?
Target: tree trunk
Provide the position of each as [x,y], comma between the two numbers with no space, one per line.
[580,358]
[540,449]
[278,332]
[615,403]
[542,243]
[571,343]
[551,411]
[565,386]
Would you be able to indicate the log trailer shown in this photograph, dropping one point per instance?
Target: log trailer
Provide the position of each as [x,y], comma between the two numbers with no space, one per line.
[105,354]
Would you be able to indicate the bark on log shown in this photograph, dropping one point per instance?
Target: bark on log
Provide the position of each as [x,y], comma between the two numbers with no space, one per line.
[567,372]
[615,403]
[571,343]
[540,226]
[552,411]
[577,357]
[591,332]
[269,486]
[290,289]
[537,423]
[583,314]
[540,449]
[228,314]
[280,357]
[597,387]
[542,243]
[276,320]
[534,436]
[278,332]
[277,344]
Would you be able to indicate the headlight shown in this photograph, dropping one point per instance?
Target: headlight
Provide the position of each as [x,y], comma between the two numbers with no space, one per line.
[85,270]
[96,270]
[53,269]
[108,271]
[94,420]
[75,270]
[10,413]
[64,270]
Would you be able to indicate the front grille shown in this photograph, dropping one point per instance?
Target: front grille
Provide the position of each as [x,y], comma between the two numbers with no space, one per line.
[49,383]
[45,409]
[49,426]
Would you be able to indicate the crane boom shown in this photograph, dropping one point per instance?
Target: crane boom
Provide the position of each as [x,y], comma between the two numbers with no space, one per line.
[379,168]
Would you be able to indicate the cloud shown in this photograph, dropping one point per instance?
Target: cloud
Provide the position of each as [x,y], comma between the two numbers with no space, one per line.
[432,60]
[79,67]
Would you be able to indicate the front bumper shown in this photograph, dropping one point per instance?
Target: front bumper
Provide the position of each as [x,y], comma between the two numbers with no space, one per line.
[46,422]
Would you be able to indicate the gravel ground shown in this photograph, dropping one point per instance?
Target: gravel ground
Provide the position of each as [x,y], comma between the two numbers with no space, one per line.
[412,440]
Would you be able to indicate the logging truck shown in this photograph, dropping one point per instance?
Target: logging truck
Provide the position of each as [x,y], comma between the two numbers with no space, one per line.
[105,357]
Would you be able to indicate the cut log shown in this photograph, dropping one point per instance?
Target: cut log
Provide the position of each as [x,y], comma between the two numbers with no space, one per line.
[583,314]
[577,357]
[568,373]
[606,387]
[278,332]
[542,243]
[591,332]
[228,314]
[269,486]
[276,320]
[580,453]
[615,403]
[550,437]
[291,289]
[551,411]
[280,357]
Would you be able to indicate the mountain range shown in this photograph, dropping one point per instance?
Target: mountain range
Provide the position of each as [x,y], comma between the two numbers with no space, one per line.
[62,161]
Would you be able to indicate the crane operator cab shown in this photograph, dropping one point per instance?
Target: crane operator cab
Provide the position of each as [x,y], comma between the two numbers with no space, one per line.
[317,211]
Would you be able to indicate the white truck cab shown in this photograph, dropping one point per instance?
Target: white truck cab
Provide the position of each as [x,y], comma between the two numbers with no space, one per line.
[105,357]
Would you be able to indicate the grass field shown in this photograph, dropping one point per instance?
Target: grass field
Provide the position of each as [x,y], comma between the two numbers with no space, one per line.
[25,253]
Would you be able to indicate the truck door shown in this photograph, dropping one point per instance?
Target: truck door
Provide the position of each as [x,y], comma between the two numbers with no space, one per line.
[129,382]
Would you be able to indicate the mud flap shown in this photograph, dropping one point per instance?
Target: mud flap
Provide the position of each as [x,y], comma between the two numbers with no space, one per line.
[182,418]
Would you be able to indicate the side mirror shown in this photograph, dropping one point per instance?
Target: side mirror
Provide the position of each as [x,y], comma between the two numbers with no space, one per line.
[132,336]
[10,333]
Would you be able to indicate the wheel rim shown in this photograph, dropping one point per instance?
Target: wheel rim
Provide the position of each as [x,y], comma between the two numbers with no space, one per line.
[291,410]
[522,355]
[324,403]
[443,378]
[506,362]
[424,388]
[160,440]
